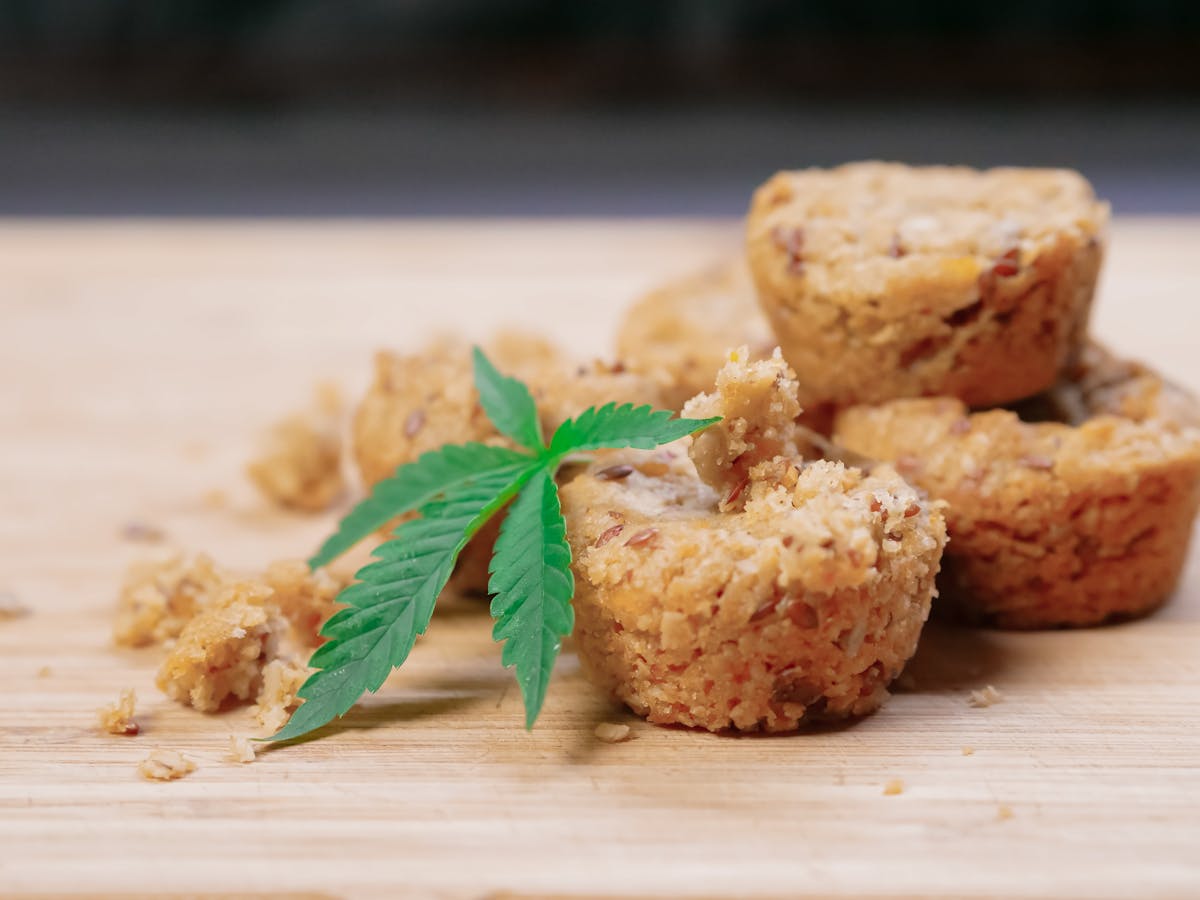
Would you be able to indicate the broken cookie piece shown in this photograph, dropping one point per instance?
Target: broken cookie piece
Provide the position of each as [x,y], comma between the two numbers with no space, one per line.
[300,467]
[221,653]
[159,597]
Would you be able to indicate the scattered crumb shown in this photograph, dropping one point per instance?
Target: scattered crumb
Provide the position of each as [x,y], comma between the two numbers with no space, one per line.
[11,606]
[1004,812]
[300,467]
[45,672]
[165,765]
[281,679]
[612,733]
[215,499]
[117,718]
[241,750]
[968,751]
[893,787]
[137,530]
[985,698]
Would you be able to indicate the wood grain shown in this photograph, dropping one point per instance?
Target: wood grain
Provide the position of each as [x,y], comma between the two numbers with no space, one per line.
[138,362]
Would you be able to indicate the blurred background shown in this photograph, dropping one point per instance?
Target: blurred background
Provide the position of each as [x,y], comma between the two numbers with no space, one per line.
[531,107]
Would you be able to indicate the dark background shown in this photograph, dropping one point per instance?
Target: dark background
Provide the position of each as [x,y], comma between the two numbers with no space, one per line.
[365,107]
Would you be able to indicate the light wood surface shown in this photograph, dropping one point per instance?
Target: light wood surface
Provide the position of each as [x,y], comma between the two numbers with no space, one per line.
[138,363]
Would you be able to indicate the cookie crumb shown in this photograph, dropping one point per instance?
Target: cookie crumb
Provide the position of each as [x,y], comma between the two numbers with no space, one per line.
[117,718]
[893,788]
[612,733]
[165,765]
[300,466]
[241,750]
[968,751]
[281,680]
[137,530]
[982,699]
[1004,812]
[45,672]
[11,606]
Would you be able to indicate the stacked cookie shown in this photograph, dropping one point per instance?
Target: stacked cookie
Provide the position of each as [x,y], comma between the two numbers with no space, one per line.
[937,319]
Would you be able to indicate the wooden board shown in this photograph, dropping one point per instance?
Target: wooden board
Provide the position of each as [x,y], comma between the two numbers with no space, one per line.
[138,363]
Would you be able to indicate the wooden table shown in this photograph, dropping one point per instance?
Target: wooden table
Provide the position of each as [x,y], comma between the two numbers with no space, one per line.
[138,363]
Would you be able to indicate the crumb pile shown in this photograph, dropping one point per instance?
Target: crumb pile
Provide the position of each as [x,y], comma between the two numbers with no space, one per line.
[229,638]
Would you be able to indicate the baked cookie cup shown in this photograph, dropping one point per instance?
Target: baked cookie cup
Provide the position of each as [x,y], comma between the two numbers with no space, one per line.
[1077,514]
[884,281]
[727,586]
[803,602]
[418,402]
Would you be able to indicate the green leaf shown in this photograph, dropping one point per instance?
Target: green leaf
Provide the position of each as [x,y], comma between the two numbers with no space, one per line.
[533,585]
[508,404]
[414,485]
[613,426]
[392,600]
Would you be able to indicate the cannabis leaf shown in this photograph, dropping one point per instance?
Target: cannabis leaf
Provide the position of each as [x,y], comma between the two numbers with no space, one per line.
[507,403]
[455,491]
[532,583]
[414,485]
[612,426]
[391,602]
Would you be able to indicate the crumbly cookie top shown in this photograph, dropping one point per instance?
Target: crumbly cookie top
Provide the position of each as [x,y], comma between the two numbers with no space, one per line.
[812,525]
[887,212]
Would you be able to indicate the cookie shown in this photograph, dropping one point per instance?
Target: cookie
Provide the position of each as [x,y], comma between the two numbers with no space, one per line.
[680,334]
[1073,510]
[883,281]
[421,401]
[799,596]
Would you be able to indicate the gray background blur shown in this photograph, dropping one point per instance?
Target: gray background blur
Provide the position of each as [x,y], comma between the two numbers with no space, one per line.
[370,107]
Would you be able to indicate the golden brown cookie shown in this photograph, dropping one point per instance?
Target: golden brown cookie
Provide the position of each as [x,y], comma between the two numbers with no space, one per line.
[799,597]
[422,401]
[680,334]
[1079,515]
[884,281]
